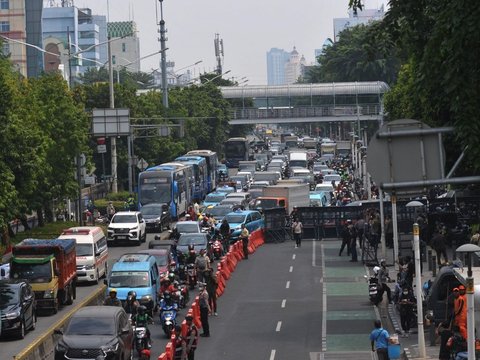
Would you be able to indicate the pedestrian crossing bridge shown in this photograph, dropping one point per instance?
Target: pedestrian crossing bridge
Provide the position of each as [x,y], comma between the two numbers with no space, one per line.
[303,103]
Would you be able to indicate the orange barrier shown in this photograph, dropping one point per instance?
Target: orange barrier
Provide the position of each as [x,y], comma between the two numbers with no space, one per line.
[170,351]
[225,268]
[221,284]
[196,312]
[163,357]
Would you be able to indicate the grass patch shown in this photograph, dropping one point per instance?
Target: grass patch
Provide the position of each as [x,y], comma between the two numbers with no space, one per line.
[49,231]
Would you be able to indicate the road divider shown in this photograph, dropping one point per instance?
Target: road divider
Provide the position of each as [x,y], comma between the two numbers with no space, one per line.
[225,268]
[43,347]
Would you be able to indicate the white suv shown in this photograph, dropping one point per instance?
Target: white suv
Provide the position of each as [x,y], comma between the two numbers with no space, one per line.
[127,226]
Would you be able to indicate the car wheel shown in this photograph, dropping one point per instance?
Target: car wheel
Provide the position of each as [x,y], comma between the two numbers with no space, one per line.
[69,297]
[106,270]
[21,331]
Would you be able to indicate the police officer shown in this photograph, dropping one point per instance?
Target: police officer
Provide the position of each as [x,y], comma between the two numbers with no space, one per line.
[189,343]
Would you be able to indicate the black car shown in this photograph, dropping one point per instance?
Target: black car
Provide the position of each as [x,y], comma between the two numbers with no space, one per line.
[95,331]
[17,306]
[157,217]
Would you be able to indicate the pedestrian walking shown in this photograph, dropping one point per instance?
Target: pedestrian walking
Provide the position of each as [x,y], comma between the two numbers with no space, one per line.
[360,229]
[406,303]
[297,228]
[438,244]
[204,310]
[211,285]
[345,240]
[383,278]
[189,344]
[379,339]
[244,235]
[353,240]
[444,332]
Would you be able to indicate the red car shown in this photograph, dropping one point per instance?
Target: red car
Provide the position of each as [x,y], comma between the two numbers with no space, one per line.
[163,258]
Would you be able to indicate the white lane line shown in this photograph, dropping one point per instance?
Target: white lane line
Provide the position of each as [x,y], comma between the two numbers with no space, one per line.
[324,300]
[288,285]
[279,325]
[314,255]
[272,354]
[291,269]
[284,301]
[293,257]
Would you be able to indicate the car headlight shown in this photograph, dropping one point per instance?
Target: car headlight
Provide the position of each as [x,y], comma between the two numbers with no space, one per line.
[48,294]
[90,267]
[157,220]
[12,315]
[61,347]
[110,348]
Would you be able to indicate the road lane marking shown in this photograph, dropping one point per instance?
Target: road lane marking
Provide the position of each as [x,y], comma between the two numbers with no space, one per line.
[293,257]
[272,354]
[284,301]
[291,269]
[279,325]
[288,285]
[324,305]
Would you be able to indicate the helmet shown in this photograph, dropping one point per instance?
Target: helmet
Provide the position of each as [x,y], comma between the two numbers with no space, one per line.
[171,276]
[142,309]
[376,269]
[191,247]
[113,291]
[187,217]
[132,295]
[383,262]
[166,295]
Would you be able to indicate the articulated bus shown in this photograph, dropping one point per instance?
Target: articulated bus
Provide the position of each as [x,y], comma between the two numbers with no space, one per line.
[236,149]
[212,162]
[169,184]
[199,165]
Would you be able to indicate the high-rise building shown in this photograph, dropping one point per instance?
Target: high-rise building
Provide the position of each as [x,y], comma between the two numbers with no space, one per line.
[20,24]
[124,45]
[83,31]
[361,17]
[276,61]
[294,67]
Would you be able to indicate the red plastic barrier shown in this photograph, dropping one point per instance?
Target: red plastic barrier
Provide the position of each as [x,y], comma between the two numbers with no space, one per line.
[221,284]
[196,312]
[170,351]
[225,269]
[162,356]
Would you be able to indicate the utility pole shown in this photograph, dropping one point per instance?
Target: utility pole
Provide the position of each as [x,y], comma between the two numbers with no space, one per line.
[163,40]
[113,139]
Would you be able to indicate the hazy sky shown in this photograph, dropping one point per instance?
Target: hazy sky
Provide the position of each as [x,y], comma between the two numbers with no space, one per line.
[249,28]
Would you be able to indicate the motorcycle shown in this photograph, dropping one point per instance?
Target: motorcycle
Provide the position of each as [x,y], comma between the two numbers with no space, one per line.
[192,276]
[168,316]
[141,339]
[374,292]
[217,249]
[182,294]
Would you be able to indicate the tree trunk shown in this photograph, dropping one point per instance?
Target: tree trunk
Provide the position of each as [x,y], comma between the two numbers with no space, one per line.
[48,213]
[23,219]
[41,220]
[5,236]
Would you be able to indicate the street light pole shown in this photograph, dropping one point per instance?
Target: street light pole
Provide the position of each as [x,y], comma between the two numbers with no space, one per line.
[164,58]
[418,290]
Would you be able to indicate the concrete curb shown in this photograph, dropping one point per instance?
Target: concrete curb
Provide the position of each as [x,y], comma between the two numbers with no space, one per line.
[43,347]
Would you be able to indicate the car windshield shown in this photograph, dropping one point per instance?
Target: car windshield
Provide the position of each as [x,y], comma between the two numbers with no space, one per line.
[326,187]
[35,273]
[152,210]
[235,219]
[265,203]
[220,211]
[161,260]
[8,296]
[91,326]
[187,227]
[129,279]
[214,198]
[191,240]
[227,190]
[331,178]
[124,219]
[84,250]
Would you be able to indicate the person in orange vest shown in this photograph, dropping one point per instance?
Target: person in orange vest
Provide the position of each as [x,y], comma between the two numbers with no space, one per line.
[460,311]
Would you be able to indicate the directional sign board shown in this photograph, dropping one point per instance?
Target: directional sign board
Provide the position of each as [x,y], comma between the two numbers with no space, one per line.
[404,151]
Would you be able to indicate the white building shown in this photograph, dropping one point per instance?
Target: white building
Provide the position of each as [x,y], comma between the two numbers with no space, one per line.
[294,67]
[126,48]
[362,17]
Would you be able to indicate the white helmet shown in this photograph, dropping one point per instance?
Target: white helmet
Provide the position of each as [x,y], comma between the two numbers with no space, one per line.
[376,269]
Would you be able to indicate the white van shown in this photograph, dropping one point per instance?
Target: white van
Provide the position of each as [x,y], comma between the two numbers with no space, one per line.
[92,251]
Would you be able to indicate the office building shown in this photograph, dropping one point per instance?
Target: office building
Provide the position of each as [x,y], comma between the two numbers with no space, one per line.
[276,61]
[20,22]
[362,17]
[124,45]
[294,67]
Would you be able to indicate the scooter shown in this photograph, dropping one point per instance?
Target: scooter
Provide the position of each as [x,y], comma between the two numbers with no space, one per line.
[168,316]
[217,249]
[191,276]
[141,339]
[182,294]
[374,292]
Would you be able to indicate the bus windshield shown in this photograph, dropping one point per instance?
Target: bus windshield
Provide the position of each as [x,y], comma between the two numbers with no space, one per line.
[235,149]
[155,193]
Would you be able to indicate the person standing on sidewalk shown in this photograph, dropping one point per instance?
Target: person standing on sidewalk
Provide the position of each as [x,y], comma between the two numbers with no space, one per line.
[244,235]
[353,240]
[460,310]
[406,302]
[388,232]
[379,340]
[204,310]
[438,244]
[211,285]
[345,240]
[360,229]
[297,228]
[383,278]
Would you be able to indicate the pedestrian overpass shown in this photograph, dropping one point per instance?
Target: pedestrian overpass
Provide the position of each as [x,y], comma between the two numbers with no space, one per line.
[306,103]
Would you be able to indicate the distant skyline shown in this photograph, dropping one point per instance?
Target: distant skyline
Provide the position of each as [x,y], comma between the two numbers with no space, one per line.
[248,28]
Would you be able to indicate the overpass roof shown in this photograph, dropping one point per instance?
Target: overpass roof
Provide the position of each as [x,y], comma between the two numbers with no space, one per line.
[326,89]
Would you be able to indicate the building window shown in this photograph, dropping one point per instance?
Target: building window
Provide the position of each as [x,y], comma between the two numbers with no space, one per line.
[124,47]
[4,26]
[113,59]
[4,4]
[87,34]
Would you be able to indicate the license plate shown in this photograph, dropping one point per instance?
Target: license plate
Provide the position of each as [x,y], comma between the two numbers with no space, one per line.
[121,238]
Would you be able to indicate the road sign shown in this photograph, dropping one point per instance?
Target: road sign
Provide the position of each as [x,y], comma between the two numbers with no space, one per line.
[101,149]
[404,151]
[142,164]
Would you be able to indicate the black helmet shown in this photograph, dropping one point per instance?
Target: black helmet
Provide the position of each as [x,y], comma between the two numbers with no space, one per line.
[166,295]
[171,276]
[142,309]
[132,294]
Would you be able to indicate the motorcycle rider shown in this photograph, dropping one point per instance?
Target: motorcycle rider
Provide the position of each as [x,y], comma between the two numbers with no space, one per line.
[111,299]
[142,319]
[131,304]
[406,302]
[225,232]
[191,255]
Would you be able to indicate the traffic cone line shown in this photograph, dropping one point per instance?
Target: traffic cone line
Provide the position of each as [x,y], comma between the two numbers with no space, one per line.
[170,351]
[162,356]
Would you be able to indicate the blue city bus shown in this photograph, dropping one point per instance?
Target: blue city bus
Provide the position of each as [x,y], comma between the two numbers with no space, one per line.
[212,162]
[199,165]
[166,184]
[236,149]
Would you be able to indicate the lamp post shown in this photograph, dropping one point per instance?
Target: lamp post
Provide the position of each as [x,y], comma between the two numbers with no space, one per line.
[418,290]
[163,48]
[469,249]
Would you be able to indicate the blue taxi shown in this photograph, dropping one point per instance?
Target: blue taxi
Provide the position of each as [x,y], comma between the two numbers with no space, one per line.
[252,219]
